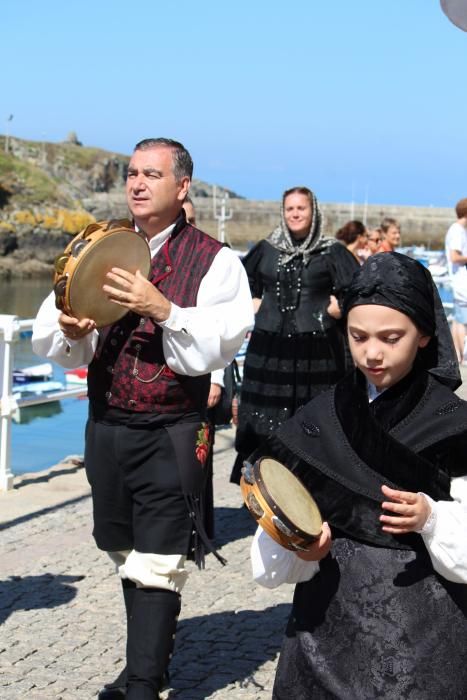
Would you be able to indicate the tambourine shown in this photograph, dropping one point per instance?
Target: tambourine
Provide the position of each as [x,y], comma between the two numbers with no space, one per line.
[280,504]
[80,272]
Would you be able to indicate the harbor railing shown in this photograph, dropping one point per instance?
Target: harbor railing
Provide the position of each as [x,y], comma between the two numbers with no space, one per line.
[11,328]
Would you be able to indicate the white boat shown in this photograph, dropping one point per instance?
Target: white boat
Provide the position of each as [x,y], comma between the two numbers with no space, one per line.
[438,271]
[28,388]
[35,373]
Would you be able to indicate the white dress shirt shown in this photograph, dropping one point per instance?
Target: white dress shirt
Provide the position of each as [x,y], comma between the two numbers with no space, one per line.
[196,340]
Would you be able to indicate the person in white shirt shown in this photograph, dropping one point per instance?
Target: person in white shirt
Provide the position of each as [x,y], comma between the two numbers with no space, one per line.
[380,605]
[456,256]
[148,385]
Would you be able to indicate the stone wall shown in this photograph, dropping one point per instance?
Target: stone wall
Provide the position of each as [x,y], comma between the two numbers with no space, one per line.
[253,220]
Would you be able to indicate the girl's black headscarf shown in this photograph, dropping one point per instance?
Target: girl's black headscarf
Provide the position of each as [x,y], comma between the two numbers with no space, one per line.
[404,284]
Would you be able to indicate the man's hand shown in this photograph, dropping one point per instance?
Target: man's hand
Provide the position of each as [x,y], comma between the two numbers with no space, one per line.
[319,549]
[411,511]
[137,294]
[214,395]
[73,328]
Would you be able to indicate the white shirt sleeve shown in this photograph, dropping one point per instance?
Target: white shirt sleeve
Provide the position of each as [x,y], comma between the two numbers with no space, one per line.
[456,240]
[49,342]
[273,565]
[196,340]
[445,533]
[200,339]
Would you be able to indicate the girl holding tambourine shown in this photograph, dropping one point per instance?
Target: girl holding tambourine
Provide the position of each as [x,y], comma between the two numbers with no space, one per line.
[380,605]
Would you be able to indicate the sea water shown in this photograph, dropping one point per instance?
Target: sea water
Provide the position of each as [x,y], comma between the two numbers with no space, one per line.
[49,432]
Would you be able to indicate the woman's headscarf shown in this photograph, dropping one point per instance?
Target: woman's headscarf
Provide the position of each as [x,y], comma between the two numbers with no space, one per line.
[295,255]
[282,240]
[404,284]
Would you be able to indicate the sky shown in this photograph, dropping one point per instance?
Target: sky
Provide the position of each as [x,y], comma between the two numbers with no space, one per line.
[360,100]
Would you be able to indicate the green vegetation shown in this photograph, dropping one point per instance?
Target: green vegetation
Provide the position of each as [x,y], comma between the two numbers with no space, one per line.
[28,184]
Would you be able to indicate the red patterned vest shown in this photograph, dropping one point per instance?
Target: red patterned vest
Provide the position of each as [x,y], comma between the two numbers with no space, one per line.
[128,370]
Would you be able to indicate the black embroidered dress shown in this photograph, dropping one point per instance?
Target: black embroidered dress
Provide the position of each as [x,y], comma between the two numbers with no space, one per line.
[381,616]
[376,621]
[296,349]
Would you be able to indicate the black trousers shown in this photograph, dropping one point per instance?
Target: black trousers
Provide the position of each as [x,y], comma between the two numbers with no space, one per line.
[137,493]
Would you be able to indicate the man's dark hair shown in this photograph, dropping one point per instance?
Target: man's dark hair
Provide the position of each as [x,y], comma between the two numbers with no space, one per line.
[182,162]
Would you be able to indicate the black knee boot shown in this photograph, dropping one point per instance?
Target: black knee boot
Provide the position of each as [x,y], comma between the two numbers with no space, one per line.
[117,688]
[151,634]
[129,589]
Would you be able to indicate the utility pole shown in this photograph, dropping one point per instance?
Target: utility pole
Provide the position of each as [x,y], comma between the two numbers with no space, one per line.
[7,135]
[365,206]
[222,216]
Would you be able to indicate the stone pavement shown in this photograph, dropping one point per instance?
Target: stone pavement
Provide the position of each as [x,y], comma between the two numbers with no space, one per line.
[62,631]
[61,613]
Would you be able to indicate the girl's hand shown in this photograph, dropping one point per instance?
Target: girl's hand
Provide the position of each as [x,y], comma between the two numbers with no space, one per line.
[319,549]
[333,308]
[411,511]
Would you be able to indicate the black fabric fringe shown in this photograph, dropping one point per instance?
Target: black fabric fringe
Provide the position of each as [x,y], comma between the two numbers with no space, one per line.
[201,544]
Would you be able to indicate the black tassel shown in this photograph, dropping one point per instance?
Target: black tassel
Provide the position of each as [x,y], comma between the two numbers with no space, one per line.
[201,541]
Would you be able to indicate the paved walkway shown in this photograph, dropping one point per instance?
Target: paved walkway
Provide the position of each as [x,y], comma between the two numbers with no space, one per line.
[61,614]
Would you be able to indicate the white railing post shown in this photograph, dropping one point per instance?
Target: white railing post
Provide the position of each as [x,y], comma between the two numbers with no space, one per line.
[8,326]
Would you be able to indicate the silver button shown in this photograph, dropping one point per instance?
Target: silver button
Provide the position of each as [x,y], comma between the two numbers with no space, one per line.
[132,402]
[108,395]
[168,268]
[142,321]
[110,369]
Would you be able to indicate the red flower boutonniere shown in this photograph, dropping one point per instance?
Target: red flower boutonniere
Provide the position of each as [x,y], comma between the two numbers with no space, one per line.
[203,443]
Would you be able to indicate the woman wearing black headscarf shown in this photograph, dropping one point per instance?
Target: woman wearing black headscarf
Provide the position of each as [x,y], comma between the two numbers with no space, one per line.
[380,610]
[296,349]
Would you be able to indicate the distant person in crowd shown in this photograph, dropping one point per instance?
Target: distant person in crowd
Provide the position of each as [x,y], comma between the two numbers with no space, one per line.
[148,384]
[391,230]
[354,236]
[190,212]
[296,349]
[456,257]
[374,240]
[380,605]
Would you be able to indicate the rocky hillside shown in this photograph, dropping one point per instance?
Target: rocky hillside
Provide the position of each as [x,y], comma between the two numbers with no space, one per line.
[50,191]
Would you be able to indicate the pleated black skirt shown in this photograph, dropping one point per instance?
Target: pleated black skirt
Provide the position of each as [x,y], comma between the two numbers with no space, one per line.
[280,375]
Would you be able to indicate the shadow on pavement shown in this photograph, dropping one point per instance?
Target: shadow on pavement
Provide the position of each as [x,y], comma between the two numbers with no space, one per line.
[213,651]
[71,467]
[232,524]
[35,592]
[43,511]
